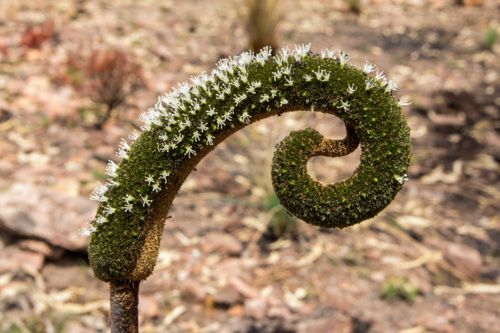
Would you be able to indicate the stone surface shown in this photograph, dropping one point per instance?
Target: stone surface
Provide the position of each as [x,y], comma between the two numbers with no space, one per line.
[12,260]
[227,268]
[66,275]
[76,327]
[420,279]
[41,247]
[148,306]
[467,260]
[105,153]
[235,311]
[67,185]
[232,224]
[98,322]
[340,324]
[255,308]
[243,288]
[212,179]
[278,312]
[192,291]
[227,295]
[39,212]
[218,241]
[6,265]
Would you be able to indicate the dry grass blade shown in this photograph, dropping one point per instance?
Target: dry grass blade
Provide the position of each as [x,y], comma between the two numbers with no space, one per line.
[75,308]
[173,315]
[263,18]
[431,256]
[316,252]
[416,329]
[468,289]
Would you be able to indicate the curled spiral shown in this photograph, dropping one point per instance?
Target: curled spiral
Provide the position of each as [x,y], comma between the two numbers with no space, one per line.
[191,121]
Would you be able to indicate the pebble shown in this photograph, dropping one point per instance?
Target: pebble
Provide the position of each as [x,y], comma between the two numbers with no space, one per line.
[235,311]
[218,241]
[467,260]
[232,224]
[9,261]
[192,291]
[227,268]
[278,312]
[255,308]
[49,251]
[243,288]
[39,212]
[148,306]
[340,324]
[76,327]
[227,295]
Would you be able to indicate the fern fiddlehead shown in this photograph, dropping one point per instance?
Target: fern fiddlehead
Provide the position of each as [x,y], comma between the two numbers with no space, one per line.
[186,124]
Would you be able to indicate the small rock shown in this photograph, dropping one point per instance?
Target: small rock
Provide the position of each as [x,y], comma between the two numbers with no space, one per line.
[217,241]
[274,301]
[39,212]
[228,295]
[243,288]
[67,185]
[421,280]
[235,311]
[249,263]
[473,2]
[227,209]
[216,180]
[377,276]
[440,324]
[97,321]
[14,86]
[232,224]
[278,312]
[49,251]
[192,291]
[6,167]
[12,260]
[255,308]
[185,326]
[227,268]
[6,265]
[148,306]
[76,327]
[306,309]
[29,259]
[373,254]
[105,153]
[467,260]
[60,277]
[341,324]
[113,133]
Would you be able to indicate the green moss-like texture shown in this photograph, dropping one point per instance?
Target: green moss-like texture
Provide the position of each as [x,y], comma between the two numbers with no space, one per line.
[362,196]
[189,122]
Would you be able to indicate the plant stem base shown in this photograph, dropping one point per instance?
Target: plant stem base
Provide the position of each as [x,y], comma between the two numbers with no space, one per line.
[124,295]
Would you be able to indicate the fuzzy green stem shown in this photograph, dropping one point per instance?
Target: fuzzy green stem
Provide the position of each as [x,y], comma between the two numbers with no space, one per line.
[190,121]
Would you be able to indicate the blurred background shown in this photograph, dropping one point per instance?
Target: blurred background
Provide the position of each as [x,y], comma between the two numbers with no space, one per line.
[76,75]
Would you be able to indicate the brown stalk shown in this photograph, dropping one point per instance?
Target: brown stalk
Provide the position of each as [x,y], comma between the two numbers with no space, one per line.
[124,296]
